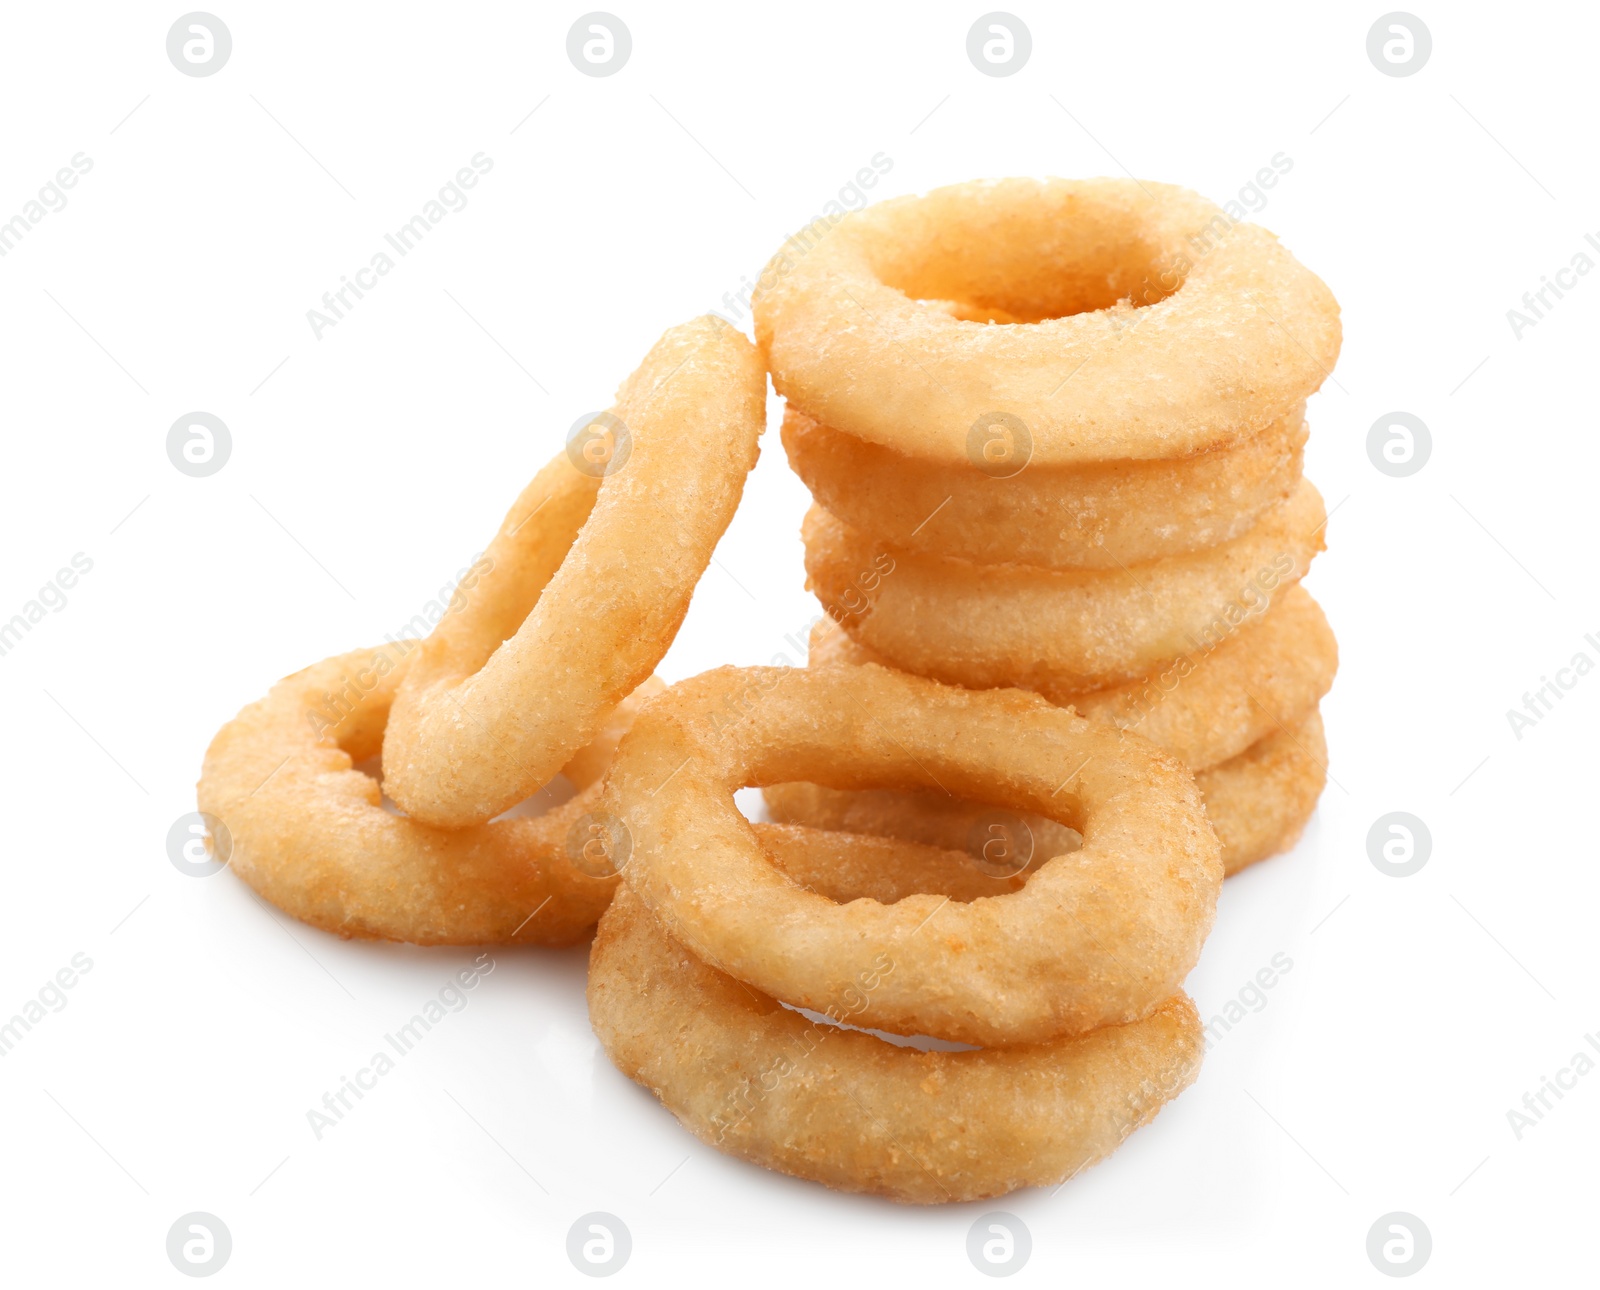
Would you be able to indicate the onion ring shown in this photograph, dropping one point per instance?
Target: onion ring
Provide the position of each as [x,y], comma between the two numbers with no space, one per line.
[1097,938]
[1154,326]
[507,690]
[1100,516]
[310,835]
[990,625]
[1259,802]
[1205,706]
[854,1112]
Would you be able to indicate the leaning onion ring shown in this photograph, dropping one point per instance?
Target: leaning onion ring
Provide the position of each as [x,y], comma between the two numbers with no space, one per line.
[551,639]
[310,835]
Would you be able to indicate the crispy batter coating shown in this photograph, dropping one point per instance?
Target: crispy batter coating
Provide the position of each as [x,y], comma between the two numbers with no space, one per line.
[1103,515]
[508,689]
[989,625]
[1100,936]
[1149,324]
[854,1112]
[310,835]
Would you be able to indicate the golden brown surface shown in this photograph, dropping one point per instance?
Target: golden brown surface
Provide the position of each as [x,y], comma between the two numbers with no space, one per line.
[1206,706]
[507,690]
[990,625]
[1259,801]
[855,1112]
[1155,327]
[310,835]
[1103,515]
[1100,936]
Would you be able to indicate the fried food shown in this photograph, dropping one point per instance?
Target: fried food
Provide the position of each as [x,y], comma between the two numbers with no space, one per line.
[1150,325]
[855,1112]
[309,832]
[1100,937]
[1207,705]
[567,622]
[1259,802]
[1103,515]
[990,625]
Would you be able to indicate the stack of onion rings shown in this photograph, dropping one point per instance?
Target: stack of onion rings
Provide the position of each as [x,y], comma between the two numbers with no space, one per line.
[1070,979]
[586,583]
[1055,430]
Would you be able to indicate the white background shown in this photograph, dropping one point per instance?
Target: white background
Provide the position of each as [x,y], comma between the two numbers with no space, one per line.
[369,465]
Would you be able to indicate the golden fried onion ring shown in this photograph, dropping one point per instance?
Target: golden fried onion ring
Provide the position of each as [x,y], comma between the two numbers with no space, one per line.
[1205,706]
[990,625]
[855,1112]
[1153,326]
[1098,937]
[1099,516]
[309,834]
[508,689]
[1258,802]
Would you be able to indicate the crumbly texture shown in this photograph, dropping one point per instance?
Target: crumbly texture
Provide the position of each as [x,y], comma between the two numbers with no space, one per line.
[1259,802]
[859,1114]
[1152,325]
[1205,706]
[527,673]
[1103,515]
[1097,937]
[310,835]
[989,625]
